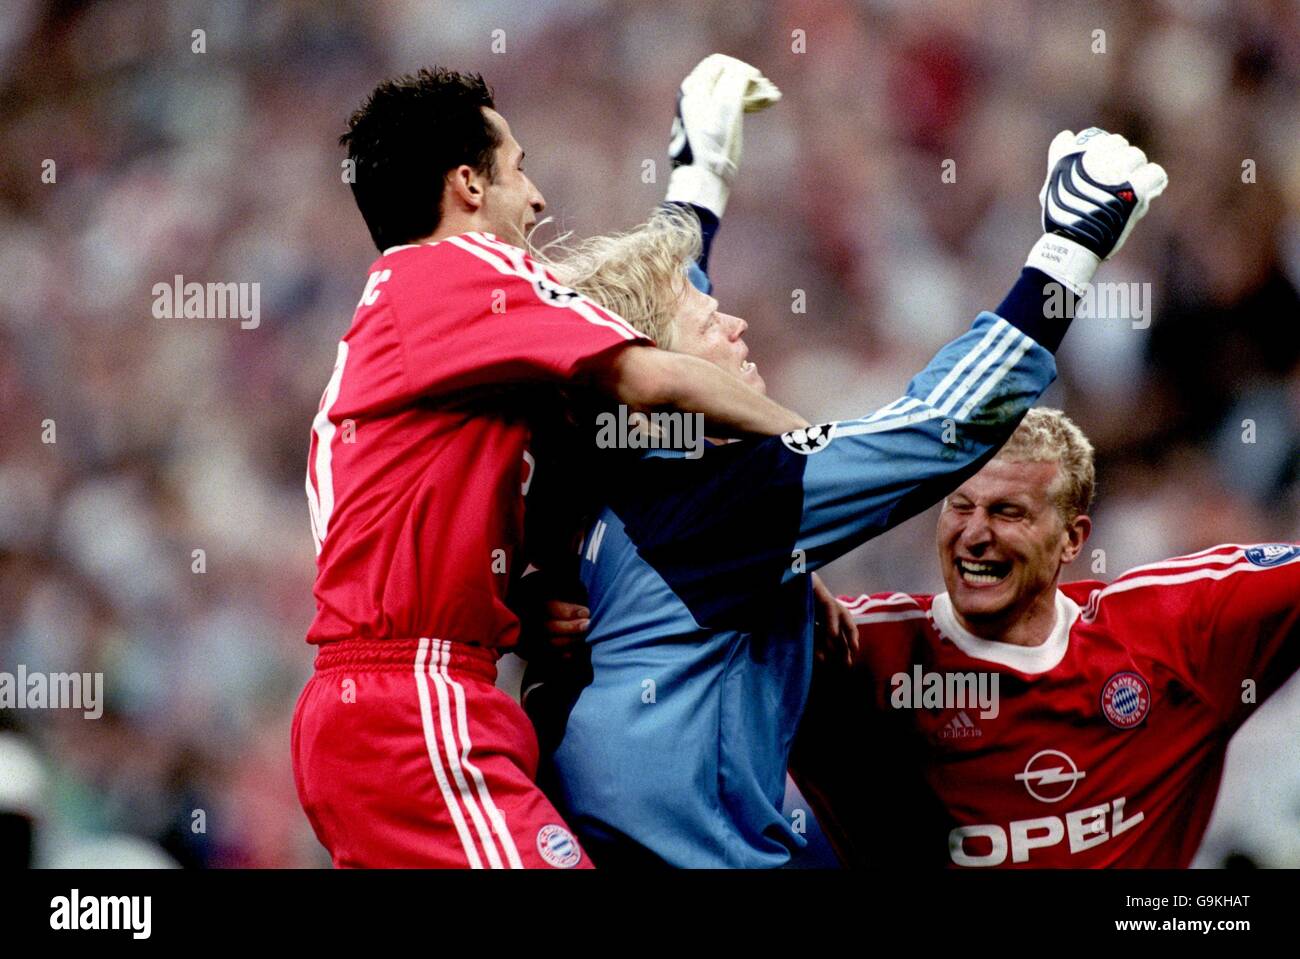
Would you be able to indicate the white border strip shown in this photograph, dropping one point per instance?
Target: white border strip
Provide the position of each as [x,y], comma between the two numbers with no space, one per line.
[431,743]
[480,785]
[437,672]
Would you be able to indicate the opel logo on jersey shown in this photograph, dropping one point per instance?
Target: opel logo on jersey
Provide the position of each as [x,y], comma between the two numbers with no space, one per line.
[1125,700]
[1050,775]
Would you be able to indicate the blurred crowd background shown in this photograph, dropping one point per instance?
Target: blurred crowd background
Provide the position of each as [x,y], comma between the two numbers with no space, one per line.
[184,434]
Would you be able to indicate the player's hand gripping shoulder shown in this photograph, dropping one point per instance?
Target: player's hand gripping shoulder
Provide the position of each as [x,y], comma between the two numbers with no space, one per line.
[706,140]
[1098,186]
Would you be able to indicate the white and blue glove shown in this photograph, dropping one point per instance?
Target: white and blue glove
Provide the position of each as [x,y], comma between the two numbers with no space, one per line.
[1097,188]
[706,140]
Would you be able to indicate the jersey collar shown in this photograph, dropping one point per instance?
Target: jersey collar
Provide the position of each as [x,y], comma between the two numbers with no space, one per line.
[408,246]
[1025,659]
[412,246]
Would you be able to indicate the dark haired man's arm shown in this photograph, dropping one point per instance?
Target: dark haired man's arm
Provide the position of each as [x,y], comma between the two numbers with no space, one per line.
[648,378]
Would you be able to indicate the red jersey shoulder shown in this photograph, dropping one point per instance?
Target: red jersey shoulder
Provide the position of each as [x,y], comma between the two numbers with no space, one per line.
[1219,605]
[1081,591]
[1159,589]
[478,274]
[1116,616]
[413,271]
[887,607]
[893,629]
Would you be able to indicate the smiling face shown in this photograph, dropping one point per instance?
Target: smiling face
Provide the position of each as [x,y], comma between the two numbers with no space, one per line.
[1002,542]
[701,330]
[511,203]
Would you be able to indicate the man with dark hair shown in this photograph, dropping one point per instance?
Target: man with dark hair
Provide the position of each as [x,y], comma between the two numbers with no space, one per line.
[405,752]
[410,127]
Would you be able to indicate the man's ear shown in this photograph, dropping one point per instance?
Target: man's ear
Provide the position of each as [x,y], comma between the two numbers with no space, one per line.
[1077,532]
[466,185]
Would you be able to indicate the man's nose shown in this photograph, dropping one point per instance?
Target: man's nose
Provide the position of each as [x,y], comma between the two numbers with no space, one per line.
[976,533]
[738,328]
[538,202]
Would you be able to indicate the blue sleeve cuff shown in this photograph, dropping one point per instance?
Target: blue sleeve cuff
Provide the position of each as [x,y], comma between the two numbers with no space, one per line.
[709,223]
[1025,308]
[699,279]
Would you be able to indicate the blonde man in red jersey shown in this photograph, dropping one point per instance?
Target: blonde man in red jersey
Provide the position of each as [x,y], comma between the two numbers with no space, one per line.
[1113,705]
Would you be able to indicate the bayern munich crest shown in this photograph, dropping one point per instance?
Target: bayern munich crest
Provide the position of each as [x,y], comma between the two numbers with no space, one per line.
[558,847]
[1125,700]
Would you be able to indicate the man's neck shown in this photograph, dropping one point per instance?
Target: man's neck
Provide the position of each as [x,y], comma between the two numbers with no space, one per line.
[443,233]
[450,226]
[1022,627]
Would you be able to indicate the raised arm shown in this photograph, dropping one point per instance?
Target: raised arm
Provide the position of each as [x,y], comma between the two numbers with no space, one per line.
[960,410]
[706,141]
[705,153]
[761,514]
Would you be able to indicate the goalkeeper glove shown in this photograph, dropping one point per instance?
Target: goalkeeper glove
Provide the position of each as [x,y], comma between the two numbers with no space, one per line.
[706,140]
[1097,188]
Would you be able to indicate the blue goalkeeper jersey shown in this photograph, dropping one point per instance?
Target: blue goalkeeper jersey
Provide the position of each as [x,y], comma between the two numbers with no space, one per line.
[698,580]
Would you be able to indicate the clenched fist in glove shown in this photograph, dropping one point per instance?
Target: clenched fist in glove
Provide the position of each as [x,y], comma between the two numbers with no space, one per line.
[1097,188]
[706,140]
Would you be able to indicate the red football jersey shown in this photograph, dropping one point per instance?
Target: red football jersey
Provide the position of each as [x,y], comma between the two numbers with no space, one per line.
[419,459]
[1103,746]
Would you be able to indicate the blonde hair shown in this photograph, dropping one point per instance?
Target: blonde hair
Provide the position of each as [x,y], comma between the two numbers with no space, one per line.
[1046,435]
[639,274]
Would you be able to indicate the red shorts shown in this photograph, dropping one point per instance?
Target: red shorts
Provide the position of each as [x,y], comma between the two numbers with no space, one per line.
[406,754]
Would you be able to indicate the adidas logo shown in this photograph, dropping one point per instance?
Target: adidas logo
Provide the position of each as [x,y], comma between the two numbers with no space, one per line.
[960,727]
[1090,611]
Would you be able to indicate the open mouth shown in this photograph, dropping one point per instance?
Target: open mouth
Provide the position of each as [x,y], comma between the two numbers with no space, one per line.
[982,572]
[747,367]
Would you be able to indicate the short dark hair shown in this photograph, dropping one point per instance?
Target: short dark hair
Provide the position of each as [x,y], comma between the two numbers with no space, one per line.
[404,139]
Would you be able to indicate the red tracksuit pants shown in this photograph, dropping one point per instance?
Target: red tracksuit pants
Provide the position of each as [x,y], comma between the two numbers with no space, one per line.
[405,754]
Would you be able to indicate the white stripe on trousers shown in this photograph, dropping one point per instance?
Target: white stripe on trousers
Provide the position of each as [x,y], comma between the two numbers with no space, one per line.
[431,743]
[480,785]
[436,671]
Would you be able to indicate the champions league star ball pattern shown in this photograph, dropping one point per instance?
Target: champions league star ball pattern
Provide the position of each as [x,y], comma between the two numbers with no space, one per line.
[807,441]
